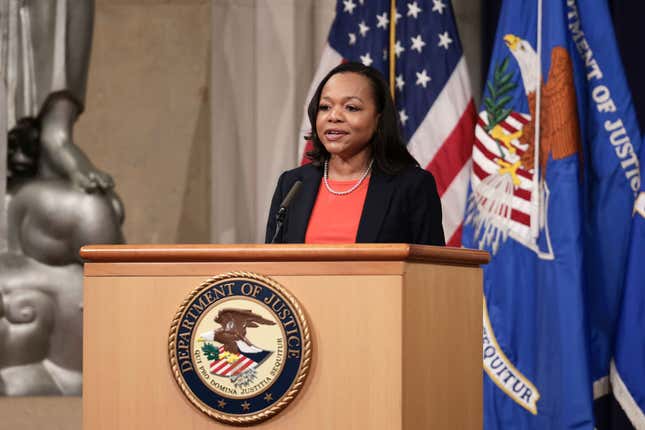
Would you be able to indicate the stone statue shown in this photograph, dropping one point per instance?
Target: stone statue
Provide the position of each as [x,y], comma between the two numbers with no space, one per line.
[56,199]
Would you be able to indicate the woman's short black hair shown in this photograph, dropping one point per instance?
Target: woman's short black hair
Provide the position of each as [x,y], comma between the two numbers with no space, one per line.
[388,148]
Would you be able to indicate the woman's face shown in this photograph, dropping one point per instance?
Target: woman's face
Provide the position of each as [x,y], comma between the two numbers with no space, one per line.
[347,116]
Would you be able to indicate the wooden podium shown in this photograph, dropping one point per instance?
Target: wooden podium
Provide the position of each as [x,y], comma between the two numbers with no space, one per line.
[396,333]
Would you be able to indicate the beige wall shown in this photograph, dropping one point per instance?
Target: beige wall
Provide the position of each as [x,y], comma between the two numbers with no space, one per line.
[147,114]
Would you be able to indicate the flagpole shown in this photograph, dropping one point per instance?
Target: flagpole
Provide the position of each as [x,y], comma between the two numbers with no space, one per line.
[392,56]
[535,196]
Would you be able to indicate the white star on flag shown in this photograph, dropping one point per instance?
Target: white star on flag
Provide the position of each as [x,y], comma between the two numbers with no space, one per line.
[361,1]
[363,28]
[403,117]
[423,78]
[400,82]
[384,54]
[417,43]
[349,6]
[383,21]
[367,60]
[398,48]
[438,6]
[444,40]
[352,38]
[413,9]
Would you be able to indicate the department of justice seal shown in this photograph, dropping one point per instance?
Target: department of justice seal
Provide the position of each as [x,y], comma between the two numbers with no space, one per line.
[240,348]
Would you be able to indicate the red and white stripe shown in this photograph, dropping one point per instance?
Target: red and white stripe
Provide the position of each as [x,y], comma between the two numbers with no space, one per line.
[442,144]
[484,158]
[224,368]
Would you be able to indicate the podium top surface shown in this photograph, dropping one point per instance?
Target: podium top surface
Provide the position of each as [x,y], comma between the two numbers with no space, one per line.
[282,252]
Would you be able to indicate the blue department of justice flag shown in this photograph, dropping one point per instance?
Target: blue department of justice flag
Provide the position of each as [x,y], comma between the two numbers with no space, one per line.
[431,86]
[628,367]
[554,176]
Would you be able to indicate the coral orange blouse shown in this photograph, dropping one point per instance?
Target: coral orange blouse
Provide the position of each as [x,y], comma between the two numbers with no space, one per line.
[335,219]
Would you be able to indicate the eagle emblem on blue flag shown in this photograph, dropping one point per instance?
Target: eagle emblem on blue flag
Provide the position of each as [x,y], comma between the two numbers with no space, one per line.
[510,195]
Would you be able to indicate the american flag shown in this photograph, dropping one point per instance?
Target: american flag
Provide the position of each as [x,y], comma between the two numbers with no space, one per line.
[224,367]
[432,95]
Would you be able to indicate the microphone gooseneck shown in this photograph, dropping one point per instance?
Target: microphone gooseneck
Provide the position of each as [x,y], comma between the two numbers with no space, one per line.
[282,211]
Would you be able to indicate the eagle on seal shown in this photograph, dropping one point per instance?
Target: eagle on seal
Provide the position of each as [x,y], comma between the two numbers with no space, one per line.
[232,333]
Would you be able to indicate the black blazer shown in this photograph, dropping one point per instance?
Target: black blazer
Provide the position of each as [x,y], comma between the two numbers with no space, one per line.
[401,208]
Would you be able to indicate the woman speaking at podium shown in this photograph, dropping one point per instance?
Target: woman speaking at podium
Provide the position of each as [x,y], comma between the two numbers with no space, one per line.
[362,185]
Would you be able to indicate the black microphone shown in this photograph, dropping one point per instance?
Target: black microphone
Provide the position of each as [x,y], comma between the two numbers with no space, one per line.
[282,212]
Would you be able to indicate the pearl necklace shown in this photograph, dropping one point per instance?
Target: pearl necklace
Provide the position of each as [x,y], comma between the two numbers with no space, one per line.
[354,187]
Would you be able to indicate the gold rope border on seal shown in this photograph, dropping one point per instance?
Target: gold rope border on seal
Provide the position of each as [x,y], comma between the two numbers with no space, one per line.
[296,385]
